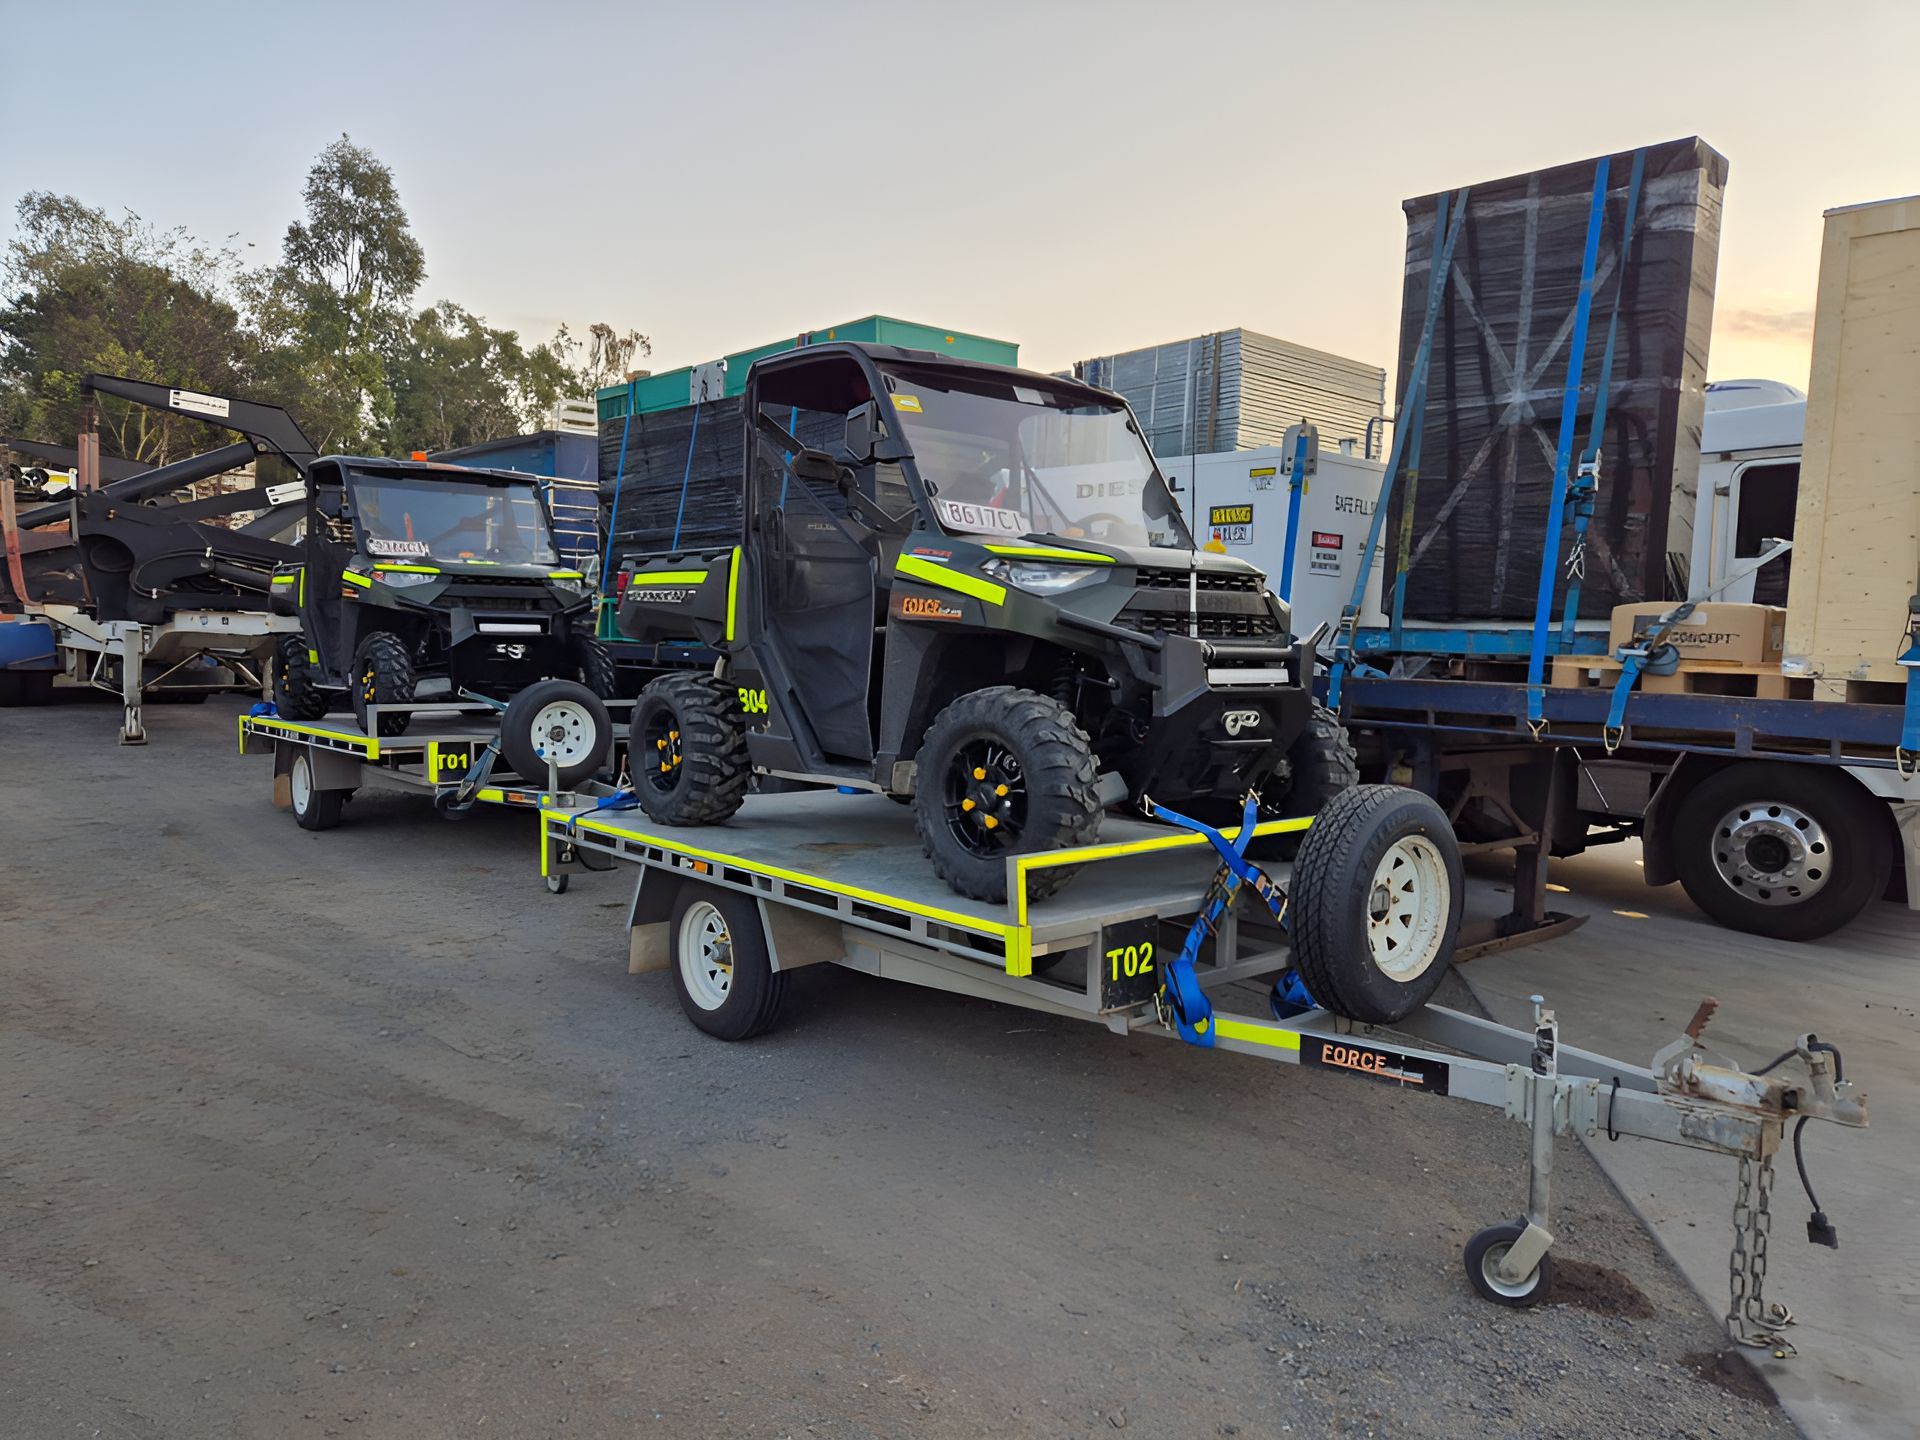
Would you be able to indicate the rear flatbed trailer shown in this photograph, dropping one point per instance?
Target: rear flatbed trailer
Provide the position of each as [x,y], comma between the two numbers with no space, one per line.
[452,758]
[805,879]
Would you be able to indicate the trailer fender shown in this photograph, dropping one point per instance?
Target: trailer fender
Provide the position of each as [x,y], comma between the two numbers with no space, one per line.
[648,944]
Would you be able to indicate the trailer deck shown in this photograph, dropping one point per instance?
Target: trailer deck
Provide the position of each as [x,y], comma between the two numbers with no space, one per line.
[839,879]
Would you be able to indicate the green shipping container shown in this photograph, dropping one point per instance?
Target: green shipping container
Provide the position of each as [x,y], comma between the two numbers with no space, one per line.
[671,390]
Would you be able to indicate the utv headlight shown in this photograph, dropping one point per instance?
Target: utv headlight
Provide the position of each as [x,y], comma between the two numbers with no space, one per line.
[1040,579]
[572,584]
[403,579]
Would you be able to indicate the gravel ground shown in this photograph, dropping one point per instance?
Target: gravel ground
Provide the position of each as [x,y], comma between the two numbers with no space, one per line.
[364,1134]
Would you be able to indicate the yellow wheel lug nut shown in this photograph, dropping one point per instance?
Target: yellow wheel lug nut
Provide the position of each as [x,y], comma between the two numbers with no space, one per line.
[991,822]
[1000,790]
[966,804]
[979,774]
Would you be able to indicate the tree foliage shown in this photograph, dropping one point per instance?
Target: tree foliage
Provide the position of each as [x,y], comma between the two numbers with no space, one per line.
[329,330]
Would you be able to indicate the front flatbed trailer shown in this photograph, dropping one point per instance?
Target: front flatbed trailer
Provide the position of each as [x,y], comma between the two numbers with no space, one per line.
[806,879]
[450,755]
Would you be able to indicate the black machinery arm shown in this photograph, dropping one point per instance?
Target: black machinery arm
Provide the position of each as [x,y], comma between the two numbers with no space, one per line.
[268,425]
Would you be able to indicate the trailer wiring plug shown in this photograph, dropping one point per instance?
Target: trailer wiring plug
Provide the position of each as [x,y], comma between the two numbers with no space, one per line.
[1820,1230]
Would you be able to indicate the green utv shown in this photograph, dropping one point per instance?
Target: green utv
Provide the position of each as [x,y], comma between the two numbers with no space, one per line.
[412,571]
[968,587]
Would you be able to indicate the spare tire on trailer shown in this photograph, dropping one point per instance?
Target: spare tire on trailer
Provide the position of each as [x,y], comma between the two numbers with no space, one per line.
[1375,902]
[560,721]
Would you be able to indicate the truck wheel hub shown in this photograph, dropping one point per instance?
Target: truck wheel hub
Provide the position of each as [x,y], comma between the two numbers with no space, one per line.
[1772,853]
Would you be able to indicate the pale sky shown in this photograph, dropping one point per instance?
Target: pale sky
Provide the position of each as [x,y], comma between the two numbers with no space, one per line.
[1081,178]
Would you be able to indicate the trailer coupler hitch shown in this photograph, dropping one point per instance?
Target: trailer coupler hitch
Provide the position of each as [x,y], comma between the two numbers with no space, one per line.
[1182,1005]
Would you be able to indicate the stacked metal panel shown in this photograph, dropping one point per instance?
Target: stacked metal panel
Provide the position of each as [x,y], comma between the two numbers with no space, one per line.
[1238,390]
[1491,422]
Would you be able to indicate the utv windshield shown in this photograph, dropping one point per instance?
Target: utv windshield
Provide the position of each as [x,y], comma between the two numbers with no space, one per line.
[1001,458]
[451,521]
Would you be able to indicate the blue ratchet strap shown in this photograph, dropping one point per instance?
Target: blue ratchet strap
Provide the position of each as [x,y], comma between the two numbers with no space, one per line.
[1586,481]
[1907,758]
[1563,461]
[1615,726]
[1180,996]
[686,478]
[262,709]
[619,800]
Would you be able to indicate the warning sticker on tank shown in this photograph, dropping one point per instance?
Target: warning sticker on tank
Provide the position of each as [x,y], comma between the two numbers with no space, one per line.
[1230,515]
[1413,1071]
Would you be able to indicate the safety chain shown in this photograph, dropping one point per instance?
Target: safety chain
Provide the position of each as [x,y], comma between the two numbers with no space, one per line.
[1750,1320]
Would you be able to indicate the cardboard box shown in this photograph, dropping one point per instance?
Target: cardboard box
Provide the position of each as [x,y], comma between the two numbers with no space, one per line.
[1716,633]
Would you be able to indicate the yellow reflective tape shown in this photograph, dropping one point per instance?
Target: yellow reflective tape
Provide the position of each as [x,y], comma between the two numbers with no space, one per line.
[949,917]
[491,794]
[565,575]
[284,579]
[411,569]
[1255,1034]
[733,588]
[668,577]
[958,580]
[273,725]
[243,733]
[1049,552]
[303,600]
[544,847]
[313,657]
[1020,954]
[1179,840]
[353,578]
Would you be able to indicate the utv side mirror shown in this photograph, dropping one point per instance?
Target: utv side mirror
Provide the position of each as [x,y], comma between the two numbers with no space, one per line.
[863,433]
[816,467]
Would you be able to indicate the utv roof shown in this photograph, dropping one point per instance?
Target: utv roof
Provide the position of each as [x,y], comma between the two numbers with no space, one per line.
[430,469]
[933,360]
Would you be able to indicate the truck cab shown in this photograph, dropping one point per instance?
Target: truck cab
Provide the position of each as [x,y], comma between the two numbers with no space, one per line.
[1749,485]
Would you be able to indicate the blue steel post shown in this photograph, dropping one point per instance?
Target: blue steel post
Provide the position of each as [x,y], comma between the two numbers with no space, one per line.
[1295,489]
[1563,461]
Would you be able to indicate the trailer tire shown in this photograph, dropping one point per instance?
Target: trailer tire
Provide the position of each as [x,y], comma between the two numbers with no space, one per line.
[1790,851]
[382,675]
[722,970]
[593,667]
[560,716]
[296,692]
[688,748]
[1321,763]
[1375,899]
[313,808]
[1038,747]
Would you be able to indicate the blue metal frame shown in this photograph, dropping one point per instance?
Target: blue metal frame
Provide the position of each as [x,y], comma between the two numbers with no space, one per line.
[1295,489]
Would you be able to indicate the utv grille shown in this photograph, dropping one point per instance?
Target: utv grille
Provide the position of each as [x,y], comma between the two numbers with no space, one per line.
[1214,581]
[1212,627]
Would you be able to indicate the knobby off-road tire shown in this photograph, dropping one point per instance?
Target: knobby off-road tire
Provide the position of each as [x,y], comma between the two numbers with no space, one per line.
[296,691]
[557,720]
[382,675]
[1375,899]
[1016,759]
[1790,851]
[1321,763]
[687,747]
[721,969]
[593,667]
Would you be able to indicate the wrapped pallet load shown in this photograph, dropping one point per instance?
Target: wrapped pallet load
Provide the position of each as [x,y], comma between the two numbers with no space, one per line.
[1499,366]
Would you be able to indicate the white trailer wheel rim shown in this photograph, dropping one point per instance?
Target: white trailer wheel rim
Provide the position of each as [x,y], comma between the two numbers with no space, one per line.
[1772,853]
[563,732]
[706,955]
[1490,1259]
[300,779]
[1407,904]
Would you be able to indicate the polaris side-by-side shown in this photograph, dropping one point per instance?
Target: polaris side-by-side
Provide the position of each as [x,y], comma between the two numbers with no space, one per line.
[969,587]
[411,570]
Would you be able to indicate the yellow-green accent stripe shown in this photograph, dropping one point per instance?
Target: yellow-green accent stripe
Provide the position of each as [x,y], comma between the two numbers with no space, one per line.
[411,569]
[733,588]
[354,578]
[1253,1034]
[668,577]
[948,579]
[1049,552]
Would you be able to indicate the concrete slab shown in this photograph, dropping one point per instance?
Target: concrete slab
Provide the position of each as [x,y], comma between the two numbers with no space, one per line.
[1628,982]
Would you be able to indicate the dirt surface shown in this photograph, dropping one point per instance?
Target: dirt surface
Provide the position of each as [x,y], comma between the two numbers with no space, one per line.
[364,1134]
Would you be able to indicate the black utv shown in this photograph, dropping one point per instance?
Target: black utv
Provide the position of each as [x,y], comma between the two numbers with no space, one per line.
[412,570]
[969,586]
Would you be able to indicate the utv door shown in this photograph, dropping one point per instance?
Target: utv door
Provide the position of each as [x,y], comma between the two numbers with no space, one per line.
[328,543]
[816,601]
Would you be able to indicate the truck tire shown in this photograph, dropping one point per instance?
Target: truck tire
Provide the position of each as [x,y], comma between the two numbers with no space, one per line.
[1321,763]
[560,721]
[1772,848]
[296,690]
[1003,772]
[688,743]
[1375,897]
[313,808]
[721,969]
[593,667]
[382,675]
